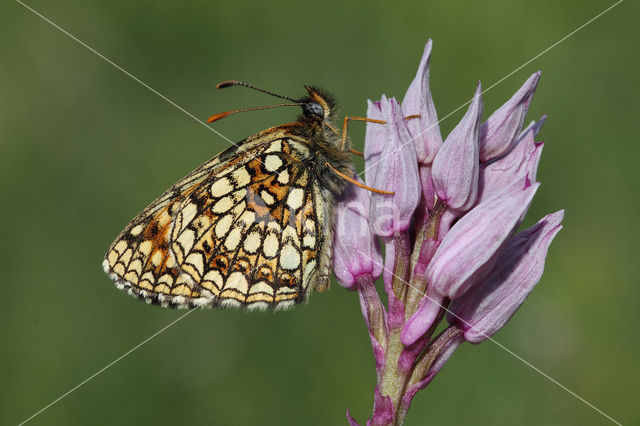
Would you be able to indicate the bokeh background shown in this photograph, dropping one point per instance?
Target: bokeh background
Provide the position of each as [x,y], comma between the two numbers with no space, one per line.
[83,147]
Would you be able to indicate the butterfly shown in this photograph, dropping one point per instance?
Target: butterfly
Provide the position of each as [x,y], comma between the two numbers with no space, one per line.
[250,228]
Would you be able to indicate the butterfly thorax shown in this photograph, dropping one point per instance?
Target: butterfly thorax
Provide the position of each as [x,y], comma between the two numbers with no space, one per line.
[317,127]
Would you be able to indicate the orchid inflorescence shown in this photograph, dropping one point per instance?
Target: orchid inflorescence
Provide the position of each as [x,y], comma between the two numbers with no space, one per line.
[452,250]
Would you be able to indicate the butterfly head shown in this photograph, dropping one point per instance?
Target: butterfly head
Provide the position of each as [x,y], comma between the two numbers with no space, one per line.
[318,105]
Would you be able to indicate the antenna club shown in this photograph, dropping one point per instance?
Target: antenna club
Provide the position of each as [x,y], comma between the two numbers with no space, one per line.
[218,116]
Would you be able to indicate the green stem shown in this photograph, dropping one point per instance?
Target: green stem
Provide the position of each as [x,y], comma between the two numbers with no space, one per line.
[394,380]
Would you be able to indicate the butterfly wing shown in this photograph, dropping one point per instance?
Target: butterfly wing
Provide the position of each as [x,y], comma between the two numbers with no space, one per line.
[248,229]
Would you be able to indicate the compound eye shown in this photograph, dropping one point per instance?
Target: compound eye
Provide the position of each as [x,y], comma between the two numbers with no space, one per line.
[313,109]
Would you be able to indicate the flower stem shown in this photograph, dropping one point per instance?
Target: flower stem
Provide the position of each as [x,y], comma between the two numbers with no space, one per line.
[394,379]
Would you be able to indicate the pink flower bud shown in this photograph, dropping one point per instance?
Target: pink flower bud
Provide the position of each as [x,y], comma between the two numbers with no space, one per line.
[468,251]
[356,251]
[500,130]
[417,101]
[535,125]
[397,172]
[486,307]
[498,175]
[455,168]
[374,139]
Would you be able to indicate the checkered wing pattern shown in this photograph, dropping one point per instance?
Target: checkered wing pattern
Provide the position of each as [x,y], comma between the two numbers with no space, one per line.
[245,229]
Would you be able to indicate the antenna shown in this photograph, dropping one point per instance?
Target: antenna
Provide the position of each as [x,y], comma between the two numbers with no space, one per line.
[230,83]
[221,115]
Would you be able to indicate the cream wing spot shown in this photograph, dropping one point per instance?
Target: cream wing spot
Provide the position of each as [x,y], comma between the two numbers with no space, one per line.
[223,205]
[221,187]
[215,277]
[239,195]
[261,287]
[241,176]
[276,146]
[248,218]
[126,256]
[120,246]
[223,225]
[166,279]
[283,177]
[119,269]
[136,230]
[171,260]
[308,271]
[239,208]
[202,223]
[112,257]
[270,245]
[233,239]
[156,258]
[267,198]
[197,261]
[145,248]
[135,266]
[289,234]
[309,226]
[289,257]
[252,242]
[148,276]
[188,213]
[286,290]
[295,198]
[274,226]
[186,240]
[272,163]
[237,281]
[309,241]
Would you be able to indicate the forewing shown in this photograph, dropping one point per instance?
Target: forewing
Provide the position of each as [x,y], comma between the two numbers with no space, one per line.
[239,231]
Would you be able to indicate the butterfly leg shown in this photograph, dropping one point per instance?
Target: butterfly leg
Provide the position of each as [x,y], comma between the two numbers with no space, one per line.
[355,182]
[345,124]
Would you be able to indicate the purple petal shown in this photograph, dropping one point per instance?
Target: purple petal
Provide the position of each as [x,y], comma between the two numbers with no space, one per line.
[375,317]
[501,128]
[523,160]
[418,101]
[356,250]
[397,172]
[394,247]
[351,420]
[374,139]
[445,349]
[468,251]
[423,318]
[535,125]
[428,188]
[383,412]
[443,358]
[485,308]
[455,168]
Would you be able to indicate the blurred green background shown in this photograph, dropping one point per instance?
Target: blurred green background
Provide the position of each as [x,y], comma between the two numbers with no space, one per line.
[83,148]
